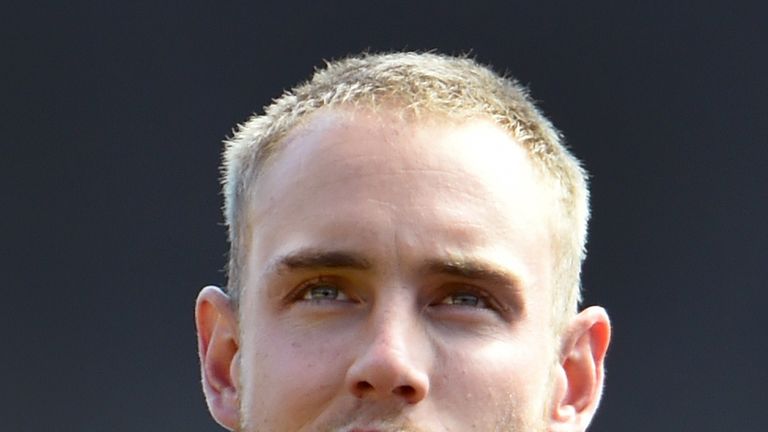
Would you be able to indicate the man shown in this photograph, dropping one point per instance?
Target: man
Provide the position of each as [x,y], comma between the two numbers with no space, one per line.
[406,234]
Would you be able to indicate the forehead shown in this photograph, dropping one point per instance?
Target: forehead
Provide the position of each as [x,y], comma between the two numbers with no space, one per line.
[358,179]
[349,141]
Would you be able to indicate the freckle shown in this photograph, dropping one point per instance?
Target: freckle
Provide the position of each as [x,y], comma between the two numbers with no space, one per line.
[295,345]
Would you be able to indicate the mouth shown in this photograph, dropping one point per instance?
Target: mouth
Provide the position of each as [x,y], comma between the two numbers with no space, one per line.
[377,428]
[379,425]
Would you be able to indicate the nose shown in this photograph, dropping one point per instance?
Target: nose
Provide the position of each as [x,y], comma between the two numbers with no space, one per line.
[391,363]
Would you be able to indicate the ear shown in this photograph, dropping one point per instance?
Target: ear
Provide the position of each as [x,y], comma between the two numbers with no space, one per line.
[579,375]
[217,340]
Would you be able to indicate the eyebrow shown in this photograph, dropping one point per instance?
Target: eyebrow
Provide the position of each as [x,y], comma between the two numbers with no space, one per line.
[307,259]
[484,272]
[472,269]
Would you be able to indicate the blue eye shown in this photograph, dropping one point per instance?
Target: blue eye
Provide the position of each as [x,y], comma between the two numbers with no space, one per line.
[324,291]
[465,299]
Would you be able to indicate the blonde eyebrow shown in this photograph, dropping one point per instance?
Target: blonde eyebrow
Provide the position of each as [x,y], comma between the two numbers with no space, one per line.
[307,259]
[471,269]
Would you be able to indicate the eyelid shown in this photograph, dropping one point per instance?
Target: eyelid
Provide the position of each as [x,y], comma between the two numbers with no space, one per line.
[301,290]
[481,303]
[309,291]
[483,296]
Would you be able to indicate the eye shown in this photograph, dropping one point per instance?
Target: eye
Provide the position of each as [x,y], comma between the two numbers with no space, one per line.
[322,291]
[466,299]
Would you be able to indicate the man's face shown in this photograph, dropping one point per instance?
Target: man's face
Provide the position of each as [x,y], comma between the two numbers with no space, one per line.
[398,278]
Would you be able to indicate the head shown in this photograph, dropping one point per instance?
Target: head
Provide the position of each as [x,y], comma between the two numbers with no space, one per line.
[407,232]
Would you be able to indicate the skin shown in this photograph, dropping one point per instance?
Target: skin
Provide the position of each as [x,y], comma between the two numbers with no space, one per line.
[399,279]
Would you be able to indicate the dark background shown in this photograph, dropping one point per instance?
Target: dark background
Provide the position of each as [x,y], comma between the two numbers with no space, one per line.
[112,118]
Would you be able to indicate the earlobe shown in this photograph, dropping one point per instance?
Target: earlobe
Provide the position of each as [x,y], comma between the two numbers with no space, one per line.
[580,373]
[218,347]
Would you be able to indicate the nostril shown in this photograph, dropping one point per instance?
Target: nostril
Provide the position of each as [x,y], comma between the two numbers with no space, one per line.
[404,391]
[363,387]
[385,376]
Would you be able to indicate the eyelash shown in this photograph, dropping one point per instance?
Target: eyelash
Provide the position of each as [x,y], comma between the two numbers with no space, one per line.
[484,301]
[306,287]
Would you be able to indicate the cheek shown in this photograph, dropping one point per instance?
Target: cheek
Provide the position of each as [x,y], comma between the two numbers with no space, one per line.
[494,379]
[289,377]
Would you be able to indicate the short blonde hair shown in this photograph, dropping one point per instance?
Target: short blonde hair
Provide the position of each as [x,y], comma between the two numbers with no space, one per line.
[416,83]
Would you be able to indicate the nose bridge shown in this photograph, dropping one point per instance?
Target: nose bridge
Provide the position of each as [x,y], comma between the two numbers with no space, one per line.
[392,325]
[392,361]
